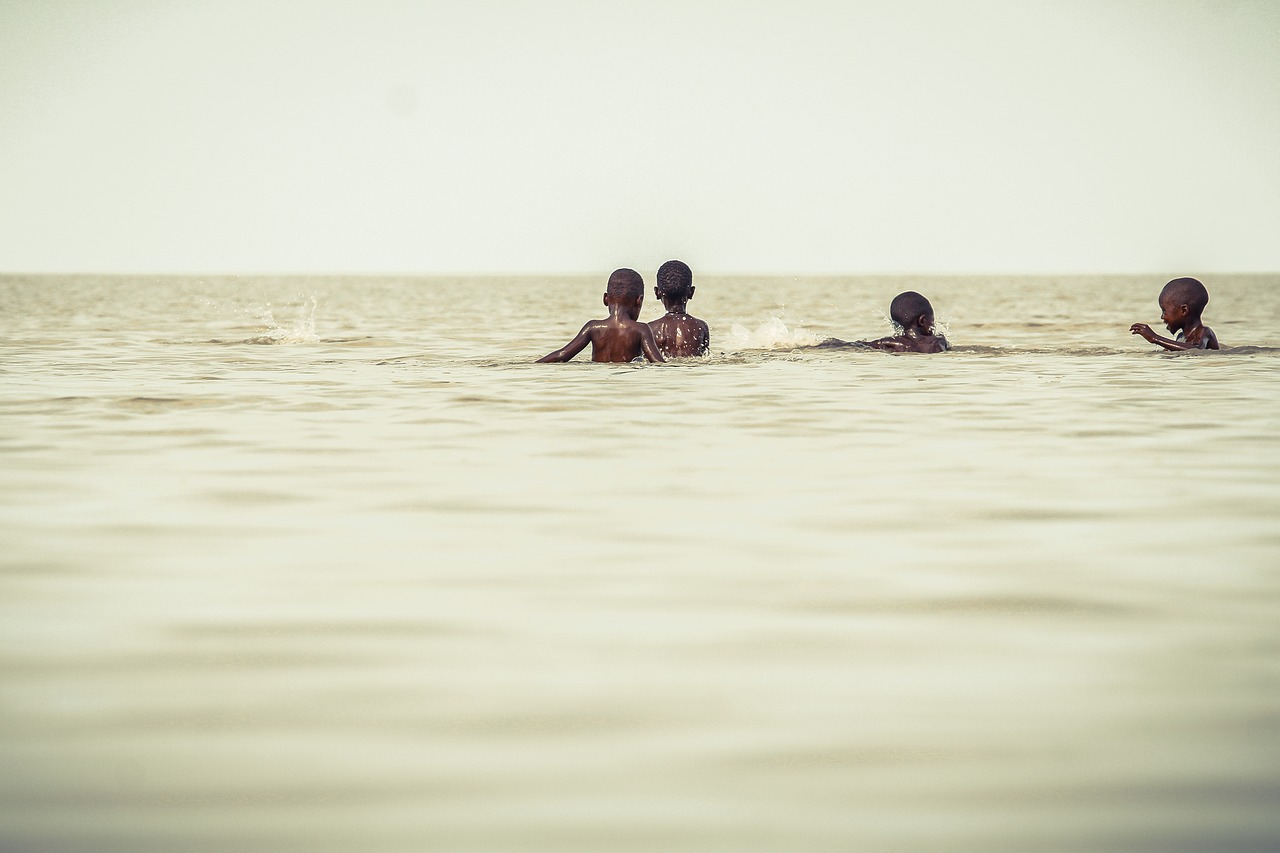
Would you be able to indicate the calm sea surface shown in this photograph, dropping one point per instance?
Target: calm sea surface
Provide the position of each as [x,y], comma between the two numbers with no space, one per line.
[328,565]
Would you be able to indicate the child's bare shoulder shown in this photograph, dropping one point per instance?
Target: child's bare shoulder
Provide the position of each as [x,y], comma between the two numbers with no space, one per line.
[937,343]
[909,343]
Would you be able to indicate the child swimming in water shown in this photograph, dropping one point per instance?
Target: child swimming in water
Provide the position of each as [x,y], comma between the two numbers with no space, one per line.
[1182,301]
[913,314]
[679,334]
[619,337]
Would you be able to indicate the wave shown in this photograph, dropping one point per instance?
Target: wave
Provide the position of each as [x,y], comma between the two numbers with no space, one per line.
[1251,350]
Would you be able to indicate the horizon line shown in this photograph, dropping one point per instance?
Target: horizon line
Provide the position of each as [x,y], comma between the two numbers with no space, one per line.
[593,273]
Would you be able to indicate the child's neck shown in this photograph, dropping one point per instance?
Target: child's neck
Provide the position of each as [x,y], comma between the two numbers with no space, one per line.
[675,309]
[619,312]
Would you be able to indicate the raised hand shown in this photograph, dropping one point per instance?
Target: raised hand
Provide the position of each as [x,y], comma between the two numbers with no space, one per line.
[1144,330]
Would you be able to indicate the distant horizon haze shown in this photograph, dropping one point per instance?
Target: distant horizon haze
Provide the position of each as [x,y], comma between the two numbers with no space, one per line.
[450,138]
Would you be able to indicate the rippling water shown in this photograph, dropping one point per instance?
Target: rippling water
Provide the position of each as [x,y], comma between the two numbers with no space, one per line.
[327,564]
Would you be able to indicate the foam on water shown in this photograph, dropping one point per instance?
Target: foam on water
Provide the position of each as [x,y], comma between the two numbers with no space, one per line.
[300,329]
[771,334]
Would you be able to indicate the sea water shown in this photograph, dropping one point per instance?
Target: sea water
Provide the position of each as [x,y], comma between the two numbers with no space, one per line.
[327,564]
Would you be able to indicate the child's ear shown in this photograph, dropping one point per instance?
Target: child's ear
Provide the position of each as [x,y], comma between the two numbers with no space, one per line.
[691,290]
[605,299]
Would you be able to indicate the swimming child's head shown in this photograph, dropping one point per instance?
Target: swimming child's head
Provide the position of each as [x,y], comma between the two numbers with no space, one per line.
[626,287]
[675,282]
[1182,300]
[910,310]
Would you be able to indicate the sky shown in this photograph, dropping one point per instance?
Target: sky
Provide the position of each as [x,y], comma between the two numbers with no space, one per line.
[795,137]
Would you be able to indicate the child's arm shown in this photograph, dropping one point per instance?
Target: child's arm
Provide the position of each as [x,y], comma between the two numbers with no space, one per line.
[570,349]
[649,344]
[1147,332]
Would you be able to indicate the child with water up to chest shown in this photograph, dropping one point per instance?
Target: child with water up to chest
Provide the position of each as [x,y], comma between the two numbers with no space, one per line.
[679,334]
[1182,301]
[913,315]
[620,337]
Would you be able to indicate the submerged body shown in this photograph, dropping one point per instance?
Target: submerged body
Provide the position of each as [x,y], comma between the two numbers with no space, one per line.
[1195,337]
[1182,301]
[614,339]
[678,333]
[911,341]
[913,315]
[620,337]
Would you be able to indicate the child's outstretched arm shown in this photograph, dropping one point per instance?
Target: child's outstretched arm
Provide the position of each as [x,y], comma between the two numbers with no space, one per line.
[570,349]
[1147,332]
[649,344]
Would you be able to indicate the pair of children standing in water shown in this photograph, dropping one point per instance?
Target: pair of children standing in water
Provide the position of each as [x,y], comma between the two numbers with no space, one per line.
[622,338]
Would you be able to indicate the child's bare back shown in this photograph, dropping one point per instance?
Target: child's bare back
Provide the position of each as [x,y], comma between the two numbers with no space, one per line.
[681,337]
[619,337]
[612,339]
[678,333]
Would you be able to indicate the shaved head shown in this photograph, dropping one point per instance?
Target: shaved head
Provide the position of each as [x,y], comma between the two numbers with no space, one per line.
[1186,291]
[908,307]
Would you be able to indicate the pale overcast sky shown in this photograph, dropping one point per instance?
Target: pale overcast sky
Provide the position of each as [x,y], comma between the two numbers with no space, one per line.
[557,136]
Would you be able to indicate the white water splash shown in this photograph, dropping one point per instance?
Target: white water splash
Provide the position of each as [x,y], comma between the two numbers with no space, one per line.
[771,334]
[940,326]
[300,330]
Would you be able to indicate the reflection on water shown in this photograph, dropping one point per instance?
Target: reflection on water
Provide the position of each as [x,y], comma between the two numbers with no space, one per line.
[388,586]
